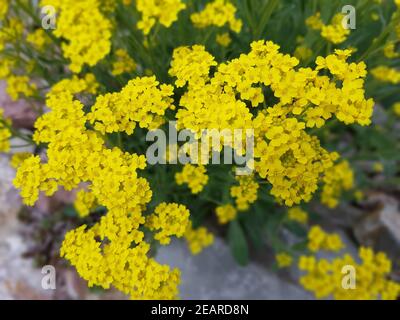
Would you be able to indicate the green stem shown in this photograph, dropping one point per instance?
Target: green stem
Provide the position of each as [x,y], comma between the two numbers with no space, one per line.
[375,44]
[36,19]
[267,12]
[15,133]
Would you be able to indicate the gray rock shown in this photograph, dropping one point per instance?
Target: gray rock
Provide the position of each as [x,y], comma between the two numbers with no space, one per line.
[213,274]
[381,228]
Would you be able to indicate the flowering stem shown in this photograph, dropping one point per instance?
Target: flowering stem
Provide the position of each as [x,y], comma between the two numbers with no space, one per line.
[15,133]
[375,43]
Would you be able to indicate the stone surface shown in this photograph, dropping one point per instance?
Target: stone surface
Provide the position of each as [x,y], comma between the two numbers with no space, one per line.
[380,229]
[214,274]
[18,278]
[19,111]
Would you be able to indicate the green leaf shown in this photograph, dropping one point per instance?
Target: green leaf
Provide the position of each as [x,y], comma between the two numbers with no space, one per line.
[254,228]
[70,211]
[238,243]
[300,246]
[296,229]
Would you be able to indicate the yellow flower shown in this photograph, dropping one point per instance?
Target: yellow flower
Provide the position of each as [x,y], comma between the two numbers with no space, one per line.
[141,102]
[124,63]
[225,213]
[335,32]
[245,193]
[164,11]
[170,219]
[112,251]
[338,178]
[11,32]
[5,133]
[386,74]
[314,22]
[217,13]
[224,39]
[359,195]
[378,167]
[86,31]
[198,239]
[19,86]
[396,109]
[18,158]
[76,85]
[389,50]
[325,278]
[318,239]
[303,53]
[284,260]
[84,202]
[38,39]
[194,176]
[297,214]
[3,8]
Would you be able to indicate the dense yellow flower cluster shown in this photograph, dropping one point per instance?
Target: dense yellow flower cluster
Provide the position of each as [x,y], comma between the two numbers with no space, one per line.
[76,85]
[38,39]
[5,133]
[141,102]
[386,74]
[318,240]
[3,8]
[303,53]
[10,32]
[128,268]
[336,179]
[191,66]
[6,65]
[224,39]
[298,214]
[389,50]
[124,63]
[396,109]
[284,260]
[349,101]
[85,201]
[325,278]
[333,32]
[198,239]
[18,86]
[112,252]
[86,30]
[18,158]
[168,219]
[290,159]
[315,22]
[194,176]
[217,13]
[164,11]
[245,193]
[226,213]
